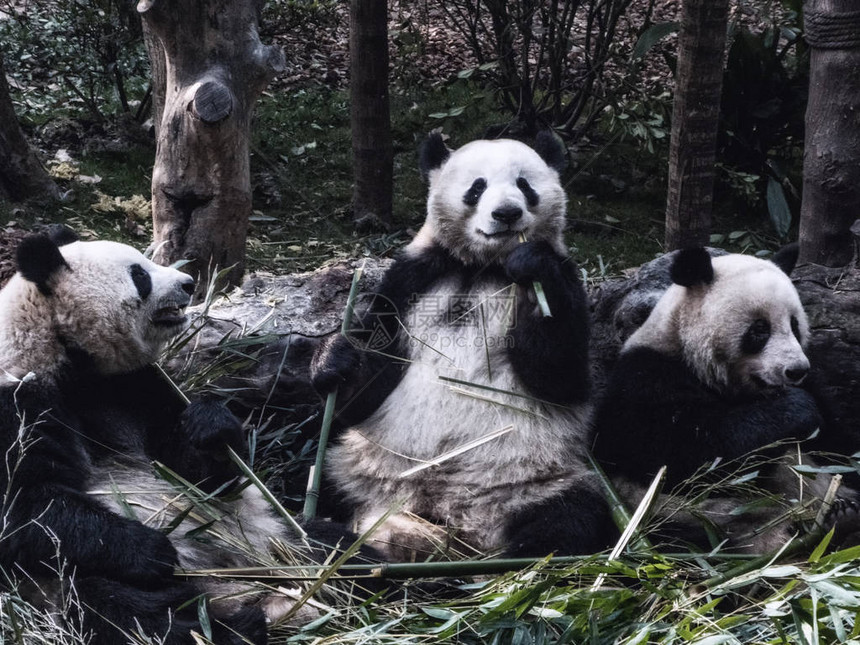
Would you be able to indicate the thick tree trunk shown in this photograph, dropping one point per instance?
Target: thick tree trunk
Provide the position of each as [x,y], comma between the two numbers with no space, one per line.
[370,113]
[215,68]
[21,174]
[158,74]
[695,116]
[831,162]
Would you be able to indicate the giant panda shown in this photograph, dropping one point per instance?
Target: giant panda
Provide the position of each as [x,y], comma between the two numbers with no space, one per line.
[454,347]
[710,381]
[83,414]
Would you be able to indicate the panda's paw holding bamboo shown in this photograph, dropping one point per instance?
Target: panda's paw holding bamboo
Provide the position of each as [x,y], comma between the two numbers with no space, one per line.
[532,261]
[335,363]
[211,428]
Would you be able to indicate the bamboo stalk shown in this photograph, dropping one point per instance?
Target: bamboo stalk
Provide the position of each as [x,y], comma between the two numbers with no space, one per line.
[539,292]
[315,475]
[267,494]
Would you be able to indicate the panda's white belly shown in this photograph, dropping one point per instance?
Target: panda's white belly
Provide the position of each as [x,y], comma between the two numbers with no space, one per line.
[426,417]
[212,534]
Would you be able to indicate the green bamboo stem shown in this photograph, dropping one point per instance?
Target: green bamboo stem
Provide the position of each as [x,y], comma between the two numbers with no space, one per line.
[539,292]
[315,476]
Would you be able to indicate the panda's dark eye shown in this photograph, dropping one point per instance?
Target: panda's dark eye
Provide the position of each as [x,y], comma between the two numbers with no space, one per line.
[141,279]
[795,328]
[475,191]
[756,337]
[531,196]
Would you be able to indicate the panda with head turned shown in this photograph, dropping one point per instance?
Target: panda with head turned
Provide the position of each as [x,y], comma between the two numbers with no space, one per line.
[467,352]
[83,413]
[714,374]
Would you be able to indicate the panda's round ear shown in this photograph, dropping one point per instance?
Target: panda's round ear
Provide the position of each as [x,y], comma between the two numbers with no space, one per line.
[39,258]
[432,154]
[551,149]
[786,257]
[692,267]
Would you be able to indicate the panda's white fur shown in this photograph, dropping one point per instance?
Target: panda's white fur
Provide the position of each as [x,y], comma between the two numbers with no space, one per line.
[712,376]
[466,310]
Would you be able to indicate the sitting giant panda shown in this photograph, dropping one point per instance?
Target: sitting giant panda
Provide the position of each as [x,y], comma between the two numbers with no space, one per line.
[83,413]
[712,375]
[454,348]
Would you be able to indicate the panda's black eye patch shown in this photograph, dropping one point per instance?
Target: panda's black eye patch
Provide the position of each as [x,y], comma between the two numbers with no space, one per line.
[795,328]
[756,337]
[475,191]
[531,196]
[142,280]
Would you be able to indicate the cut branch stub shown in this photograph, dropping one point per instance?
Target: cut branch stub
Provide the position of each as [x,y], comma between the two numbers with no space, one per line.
[212,102]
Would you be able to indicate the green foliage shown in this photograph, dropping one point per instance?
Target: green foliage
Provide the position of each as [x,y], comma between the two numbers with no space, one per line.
[762,116]
[73,57]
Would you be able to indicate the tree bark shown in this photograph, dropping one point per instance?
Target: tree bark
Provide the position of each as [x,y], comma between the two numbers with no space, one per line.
[831,160]
[695,117]
[215,68]
[373,156]
[158,74]
[21,174]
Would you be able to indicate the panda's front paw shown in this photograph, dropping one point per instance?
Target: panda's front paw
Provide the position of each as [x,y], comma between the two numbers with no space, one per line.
[210,428]
[532,261]
[335,362]
[148,556]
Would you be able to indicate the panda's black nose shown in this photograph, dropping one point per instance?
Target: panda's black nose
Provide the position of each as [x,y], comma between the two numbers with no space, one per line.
[507,214]
[188,287]
[796,374]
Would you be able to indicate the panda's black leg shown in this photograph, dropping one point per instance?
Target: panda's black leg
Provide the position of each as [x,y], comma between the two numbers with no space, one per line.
[111,608]
[577,522]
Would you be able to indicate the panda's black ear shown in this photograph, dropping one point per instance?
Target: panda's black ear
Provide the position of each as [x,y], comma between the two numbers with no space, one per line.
[39,258]
[551,149]
[432,153]
[61,234]
[691,267]
[786,257]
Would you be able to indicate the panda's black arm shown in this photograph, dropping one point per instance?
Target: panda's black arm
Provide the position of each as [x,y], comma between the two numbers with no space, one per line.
[550,354]
[655,412]
[47,513]
[367,367]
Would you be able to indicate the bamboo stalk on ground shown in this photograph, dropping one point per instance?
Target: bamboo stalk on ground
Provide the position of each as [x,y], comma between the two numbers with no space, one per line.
[315,475]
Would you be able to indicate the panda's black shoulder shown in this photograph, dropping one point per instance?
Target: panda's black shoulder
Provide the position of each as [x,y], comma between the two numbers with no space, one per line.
[414,271]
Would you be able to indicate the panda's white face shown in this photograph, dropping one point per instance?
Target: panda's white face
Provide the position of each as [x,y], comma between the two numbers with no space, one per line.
[116,305]
[490,192]
[744,332]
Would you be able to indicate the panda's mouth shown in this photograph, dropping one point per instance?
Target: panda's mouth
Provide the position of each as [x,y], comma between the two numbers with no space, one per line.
[170,316]
[499,235]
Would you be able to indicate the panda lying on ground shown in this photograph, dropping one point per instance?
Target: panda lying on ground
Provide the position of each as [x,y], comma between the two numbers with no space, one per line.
[83,412]
[714,373]
[459,304]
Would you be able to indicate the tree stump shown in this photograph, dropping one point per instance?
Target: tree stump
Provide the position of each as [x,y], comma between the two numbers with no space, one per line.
[831,158]
[215,68]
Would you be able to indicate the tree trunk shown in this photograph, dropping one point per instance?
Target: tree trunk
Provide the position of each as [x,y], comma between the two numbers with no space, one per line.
[158,75]
[215,68]
[21,174]
[370,113]
[695,116]
[831,160]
